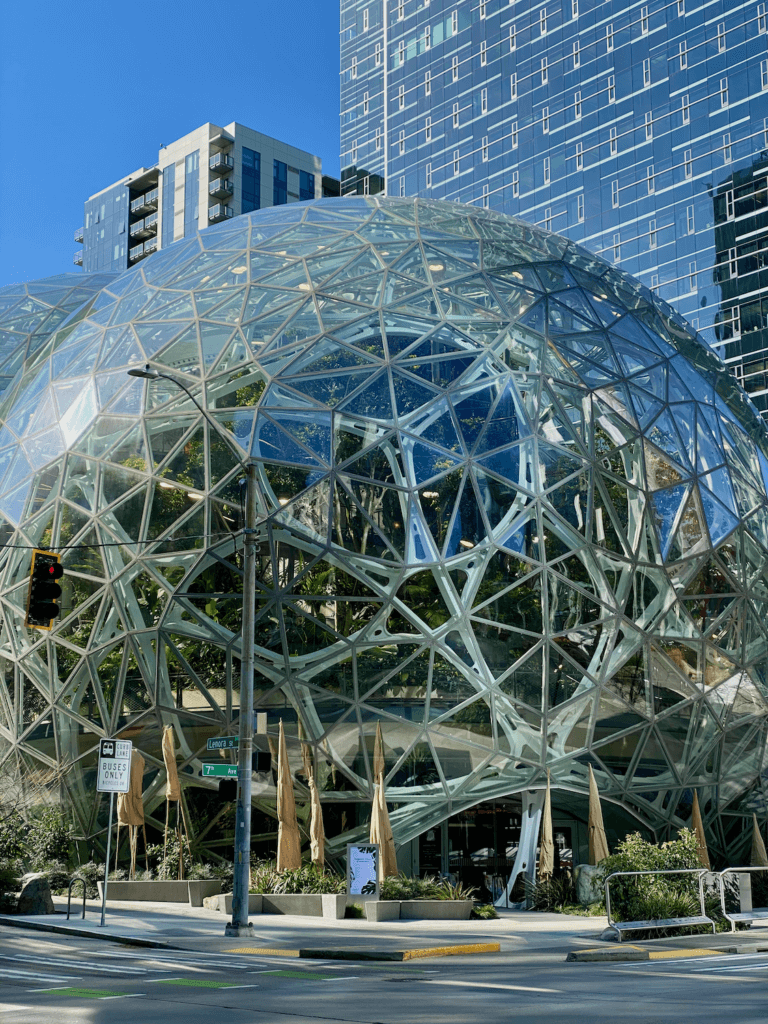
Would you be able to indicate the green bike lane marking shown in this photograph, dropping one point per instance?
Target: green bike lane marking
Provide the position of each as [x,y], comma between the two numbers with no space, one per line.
[199,983]
[89,993]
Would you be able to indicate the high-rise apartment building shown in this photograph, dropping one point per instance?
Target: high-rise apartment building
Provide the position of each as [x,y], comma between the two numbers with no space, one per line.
[206,177]
[638,129]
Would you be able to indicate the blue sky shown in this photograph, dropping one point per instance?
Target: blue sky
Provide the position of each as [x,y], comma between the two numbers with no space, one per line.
[90,90]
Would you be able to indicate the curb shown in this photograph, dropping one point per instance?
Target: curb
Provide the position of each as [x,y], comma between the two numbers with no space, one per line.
[63,929]
[628,953]
[376,954]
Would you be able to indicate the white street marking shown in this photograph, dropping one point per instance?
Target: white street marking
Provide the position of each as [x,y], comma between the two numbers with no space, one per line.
[482,984]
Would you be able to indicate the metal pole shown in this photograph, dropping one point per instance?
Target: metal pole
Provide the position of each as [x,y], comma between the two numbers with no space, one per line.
[241,879]
[106,865]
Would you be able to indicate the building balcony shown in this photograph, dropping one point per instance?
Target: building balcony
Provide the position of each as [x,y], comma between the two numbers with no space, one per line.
[79,234]
[221,163]
[136,253]
[220,188]
[144,228]
[78,258]
[150,246]
[219,212]
[147,202]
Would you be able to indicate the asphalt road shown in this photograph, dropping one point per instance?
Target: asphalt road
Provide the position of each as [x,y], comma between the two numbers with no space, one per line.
[67,980]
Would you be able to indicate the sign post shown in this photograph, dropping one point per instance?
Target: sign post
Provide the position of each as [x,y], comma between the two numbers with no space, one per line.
[114,776]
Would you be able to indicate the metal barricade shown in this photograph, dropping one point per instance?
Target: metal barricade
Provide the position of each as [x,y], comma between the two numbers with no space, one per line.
[671,922]
[742,915]
[72,881]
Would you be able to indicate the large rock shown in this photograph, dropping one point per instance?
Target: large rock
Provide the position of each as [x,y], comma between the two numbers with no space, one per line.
[35,896]
[588,888]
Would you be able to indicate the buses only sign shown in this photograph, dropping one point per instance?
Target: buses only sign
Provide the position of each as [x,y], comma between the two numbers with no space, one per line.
[114,775]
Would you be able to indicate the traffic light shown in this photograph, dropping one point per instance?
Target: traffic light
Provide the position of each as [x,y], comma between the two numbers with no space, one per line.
[228,790]
[261,761]
[43,589]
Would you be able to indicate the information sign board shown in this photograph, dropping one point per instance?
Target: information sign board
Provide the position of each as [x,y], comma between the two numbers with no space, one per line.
[114,769]
[363,870]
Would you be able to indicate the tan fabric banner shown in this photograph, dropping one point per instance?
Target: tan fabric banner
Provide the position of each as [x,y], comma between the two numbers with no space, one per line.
[288,838]
[547,842]
[598,844]
[759,857]
[378,754]
[130,806]
[697,825]
[316,827]
[381,832]
[172,789]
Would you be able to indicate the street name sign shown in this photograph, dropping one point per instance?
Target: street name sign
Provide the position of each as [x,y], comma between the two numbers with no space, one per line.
[223,743]
[114,768]
[225,771]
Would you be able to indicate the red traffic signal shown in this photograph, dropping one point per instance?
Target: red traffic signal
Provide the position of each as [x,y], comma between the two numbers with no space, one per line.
[44,591]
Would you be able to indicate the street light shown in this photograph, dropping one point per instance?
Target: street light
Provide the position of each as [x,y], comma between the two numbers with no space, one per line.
[239,924]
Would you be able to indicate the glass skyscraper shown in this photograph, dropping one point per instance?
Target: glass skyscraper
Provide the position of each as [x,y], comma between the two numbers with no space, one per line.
[639,130]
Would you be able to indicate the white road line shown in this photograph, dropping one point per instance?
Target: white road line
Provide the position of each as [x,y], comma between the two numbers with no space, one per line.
[82,965]
[13,1008]
[685,960]
[723,970]
[33,976]
[482,984]
[127,995]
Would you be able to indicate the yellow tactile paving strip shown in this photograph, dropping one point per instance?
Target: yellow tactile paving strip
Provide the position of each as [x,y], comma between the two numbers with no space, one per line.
[404,954]
[265,952]
[670,954]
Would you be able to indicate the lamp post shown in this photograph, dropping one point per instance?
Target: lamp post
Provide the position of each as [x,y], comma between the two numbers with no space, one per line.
[239,924]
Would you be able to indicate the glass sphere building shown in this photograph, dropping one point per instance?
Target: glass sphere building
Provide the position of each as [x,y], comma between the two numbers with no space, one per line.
[510,508]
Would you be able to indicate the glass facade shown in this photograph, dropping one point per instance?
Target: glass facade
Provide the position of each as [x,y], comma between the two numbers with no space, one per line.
[510,507]
[279,183]
[251,180]
[168,179]
[191,193]
[622,126]
[105,231]
[306,185]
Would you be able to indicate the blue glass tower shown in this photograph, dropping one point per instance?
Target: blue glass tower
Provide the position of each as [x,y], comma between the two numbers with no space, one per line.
[639,130]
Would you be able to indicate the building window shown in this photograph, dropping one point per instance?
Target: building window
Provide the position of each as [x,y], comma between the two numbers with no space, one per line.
[455,115]
[169,183]
[729,207]
[761,17]
[377,57]
[427,37]
[579,156]
[513,86]
[512,37]
[400,10]
[547,167]
[690,220]
[401,53]
[548,218]
[191,192]
[574,8]
[427,83]
[692,277]
[306,186]
[482,8]
[727,148]
[367,185]
[428,129]
[354,67]
[688,162]
[545,120]
[580,207]
[429,175]
[648,126]
[764,74]
[683,55]
[455,162]
[401,143]
[576,54]
[733,266]
[543,21]
[680,8]
[515,183]
[544,71]
[455,69]
[577,105]
[454,22]
[721,37]
[514,134]
[483,54]
[486,197]
[644,20]
[651,178]
[365,20]
[685,107]
[723,92]
[647,71]
[765,132]
[483,101]
[484,149]
[614,142]
[365,102]
[378,139]
[651,234]
[251,181]
[402,186]
[615,194]
[352,153]
[609,37]
[616,247]
[611,89]
[654,282]
[280,180]
[401,98]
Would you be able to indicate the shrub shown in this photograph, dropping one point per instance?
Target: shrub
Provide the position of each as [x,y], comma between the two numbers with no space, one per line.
[50,838]
[556,895]
[485,912]
[354,910]
[265,878]
[400,887]
[92,873]
[13,836]
[10,883]
[58,876]
[165,858]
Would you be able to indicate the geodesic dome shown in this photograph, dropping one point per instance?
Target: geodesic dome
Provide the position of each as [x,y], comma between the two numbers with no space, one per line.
[510,506]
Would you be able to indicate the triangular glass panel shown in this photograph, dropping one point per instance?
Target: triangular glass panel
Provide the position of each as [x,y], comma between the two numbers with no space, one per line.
[373,401]
[275,445]
[667,505]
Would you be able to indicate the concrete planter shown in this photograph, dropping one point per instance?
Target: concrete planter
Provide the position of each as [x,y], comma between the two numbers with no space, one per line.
[223,903]
[166,891]
[334,907]
[418,910]
[296,904]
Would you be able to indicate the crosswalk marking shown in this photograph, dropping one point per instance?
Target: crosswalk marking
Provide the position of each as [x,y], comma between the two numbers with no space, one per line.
[79,965]
[12,975]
